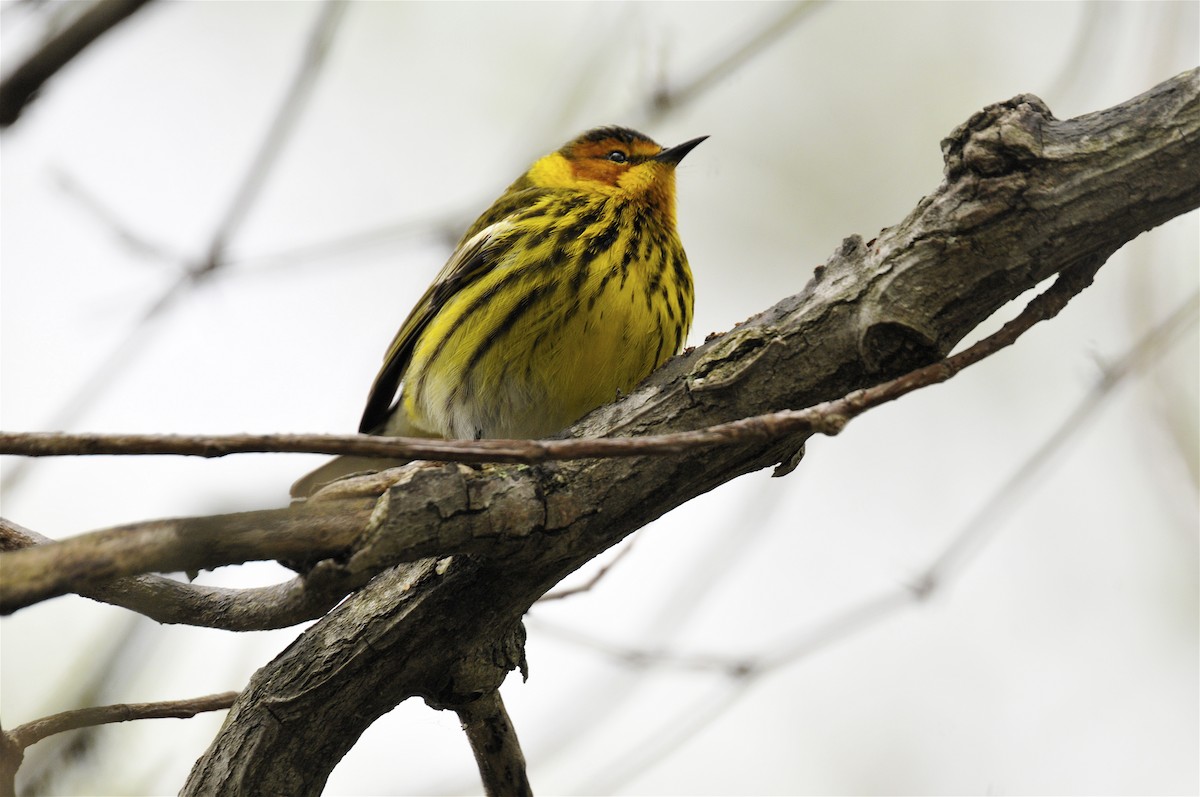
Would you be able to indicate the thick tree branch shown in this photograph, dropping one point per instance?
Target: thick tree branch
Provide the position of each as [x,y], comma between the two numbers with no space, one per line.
[91,562]
[54,569]
[1026,196]
[165,600]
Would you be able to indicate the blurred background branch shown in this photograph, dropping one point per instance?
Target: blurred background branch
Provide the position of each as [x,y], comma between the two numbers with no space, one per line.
[110,368]
[20,86]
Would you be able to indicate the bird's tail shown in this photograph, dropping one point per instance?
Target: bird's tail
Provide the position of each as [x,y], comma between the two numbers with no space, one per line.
[340,468]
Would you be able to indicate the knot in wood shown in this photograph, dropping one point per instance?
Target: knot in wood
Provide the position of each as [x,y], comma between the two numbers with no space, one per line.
[728,362]
[1001,139]
[481,671]
[892,347]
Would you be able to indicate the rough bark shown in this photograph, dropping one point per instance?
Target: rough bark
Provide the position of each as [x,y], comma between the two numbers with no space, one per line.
[1025,196]
[494,743]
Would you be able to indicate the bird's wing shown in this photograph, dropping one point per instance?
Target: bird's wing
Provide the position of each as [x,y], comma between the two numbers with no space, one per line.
[472,260]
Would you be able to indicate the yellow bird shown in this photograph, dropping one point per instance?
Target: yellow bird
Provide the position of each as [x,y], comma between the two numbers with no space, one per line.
[568,291]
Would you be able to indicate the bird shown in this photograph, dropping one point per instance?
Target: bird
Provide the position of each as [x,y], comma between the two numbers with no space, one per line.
[569,290]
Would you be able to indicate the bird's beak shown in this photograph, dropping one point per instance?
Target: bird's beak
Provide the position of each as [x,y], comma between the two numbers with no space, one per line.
[675,154]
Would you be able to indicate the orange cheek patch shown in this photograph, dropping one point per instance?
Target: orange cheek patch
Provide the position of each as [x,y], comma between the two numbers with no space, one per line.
[600,171]
[589,160]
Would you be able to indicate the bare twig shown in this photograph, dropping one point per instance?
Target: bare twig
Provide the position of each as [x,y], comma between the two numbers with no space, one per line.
[23,84]
[666,98]
[164,600]
[87,561]
[591,582]
[327,528]
[827,418]
[14,743]
[982,525]
[272,144]
[431,228]
[494,743]
[661,102]
[107,217]
[35,731]
[644,658]
[14,537]
[112,663]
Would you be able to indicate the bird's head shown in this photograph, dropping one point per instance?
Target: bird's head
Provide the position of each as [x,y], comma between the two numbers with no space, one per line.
[614,161]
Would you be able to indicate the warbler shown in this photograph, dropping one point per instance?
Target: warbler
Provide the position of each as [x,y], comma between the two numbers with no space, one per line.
[568,291]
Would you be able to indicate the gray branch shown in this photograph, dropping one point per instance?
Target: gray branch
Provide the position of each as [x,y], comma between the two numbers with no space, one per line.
[1025,197]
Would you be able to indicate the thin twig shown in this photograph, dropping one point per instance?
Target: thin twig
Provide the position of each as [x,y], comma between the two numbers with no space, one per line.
[953,557]
[662,621]
[644,657]
[107,217]
[431,228]
[127,644]
[494,743]
[984,522]
[32,732]
[272,144]
[827,418]
[667,99]
[36,574]
[663,101]
[591,582]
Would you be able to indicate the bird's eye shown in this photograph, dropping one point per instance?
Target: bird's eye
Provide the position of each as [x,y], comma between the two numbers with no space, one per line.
[617,156]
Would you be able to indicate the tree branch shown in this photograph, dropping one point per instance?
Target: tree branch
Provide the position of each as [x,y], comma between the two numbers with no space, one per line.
[14,742]
[273,534]
[24,82]
[165,600]
[652,744]
[305,534]
[32,732]
[1025,196]
[494,743]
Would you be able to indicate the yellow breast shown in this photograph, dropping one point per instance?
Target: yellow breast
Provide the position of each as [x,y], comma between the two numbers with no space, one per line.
[578,309]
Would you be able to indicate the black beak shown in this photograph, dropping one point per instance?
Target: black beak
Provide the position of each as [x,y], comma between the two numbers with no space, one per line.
[675,154]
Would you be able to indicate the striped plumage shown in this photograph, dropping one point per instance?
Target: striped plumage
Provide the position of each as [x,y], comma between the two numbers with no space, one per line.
[568,291]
